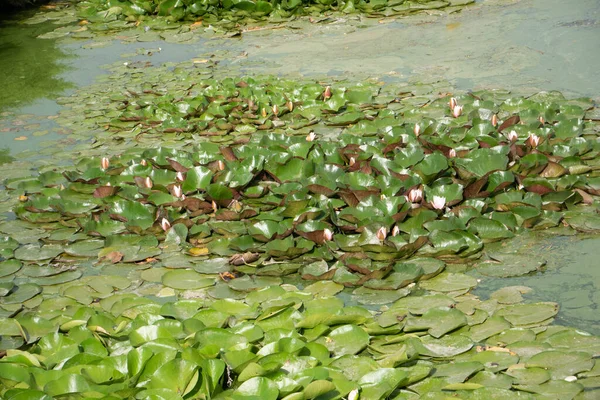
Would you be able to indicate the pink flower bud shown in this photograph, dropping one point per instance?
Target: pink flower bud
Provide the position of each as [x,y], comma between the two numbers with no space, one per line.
[512,136]
[290,105]
[452,153]
[148,183]
[494,120]
[457,111]
[327,93]
[352,161]
[415,195]
[144,162]
[176,191]
[105,163]
[179,176]
[382,233]
[395,230]
[327,234]
[417,129]
[311,137]
[533,140]
[452,103]
[165,224]
[220,165]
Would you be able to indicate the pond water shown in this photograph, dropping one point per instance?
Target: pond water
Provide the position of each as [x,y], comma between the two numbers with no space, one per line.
[525,46]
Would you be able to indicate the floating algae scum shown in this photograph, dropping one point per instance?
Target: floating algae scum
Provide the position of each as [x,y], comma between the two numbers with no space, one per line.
[255,211]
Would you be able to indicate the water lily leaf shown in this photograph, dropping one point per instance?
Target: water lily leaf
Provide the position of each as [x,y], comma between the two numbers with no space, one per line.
[186,279]
[527,376]
[346,339]
[31,252]
[133,213]
[9,267]
[575,340]
[380,383]
[449,282]
[438,321]
[489,229]
[445,346]
[556,389]
[65,384]
[507,265]
[528,314]
[561,364]
[57,279]
[257,387]
[458,372]
[21,293]
[177,375]
[318,388]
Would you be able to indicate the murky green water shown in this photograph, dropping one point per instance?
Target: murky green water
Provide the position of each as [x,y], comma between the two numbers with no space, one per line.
[523,45]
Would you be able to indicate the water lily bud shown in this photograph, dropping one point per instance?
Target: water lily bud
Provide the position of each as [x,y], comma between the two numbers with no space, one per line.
[220,165]
[165,224]
[327,234]
[144,162]
[179,176]
[494,120]
[415,195]
[382,233]
[452,103]
[214,206]
[108,184]
[352,161]
[438,202]
[512,136]
[533,140]
[176,191]
[395,230]
[148,183]
[382,196]
[353,395]
[327,93]
[417,129]
[263,112]
[275,110]
[105,163]
[250,104]
[311,137]
[457,111]
[290,105]
[541,120]
[452,153]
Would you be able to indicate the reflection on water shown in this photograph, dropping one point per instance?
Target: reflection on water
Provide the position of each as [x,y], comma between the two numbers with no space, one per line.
[571,276]
[31,67]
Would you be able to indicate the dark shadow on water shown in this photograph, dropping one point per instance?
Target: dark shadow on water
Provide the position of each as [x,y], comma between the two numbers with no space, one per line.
[30,68]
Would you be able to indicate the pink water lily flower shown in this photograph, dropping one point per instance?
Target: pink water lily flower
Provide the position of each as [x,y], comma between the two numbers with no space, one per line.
[533,140]
[452,153]
[415,195]
[452,103]
[165,224]
[327,234]
[512,136]
[417,129]
[105,163]
[438,202]
[382,233]
[494,120]
[148,183]
[311,137]
[457,111]
[176,191]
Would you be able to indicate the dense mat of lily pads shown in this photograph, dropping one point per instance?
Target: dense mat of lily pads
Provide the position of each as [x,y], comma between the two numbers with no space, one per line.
[244,10]
[272,178]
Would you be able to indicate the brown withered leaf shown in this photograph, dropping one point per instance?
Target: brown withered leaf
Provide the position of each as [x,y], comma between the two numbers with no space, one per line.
[228,153]
[515,119]
[105,191]
[114,257]
[244,258]
[177,166]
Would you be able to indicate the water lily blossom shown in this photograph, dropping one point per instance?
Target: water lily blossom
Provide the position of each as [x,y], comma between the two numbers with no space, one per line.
[311,137]
[415,195]
[395,230]
[275,109]
[494,120]
[417,129]
[105,163]
[327,235]
[220,165]
[452,103]
[290,105]
[542,120]
[263,112]
[214,206]
[457,111]
[353,395]
[327,93]
[179,176]
[176,191]
[382,233]
[165,224]
[533,140]
[438,202]
[148,183]
[452,153]
[144,162]
[512,136]
[352,161]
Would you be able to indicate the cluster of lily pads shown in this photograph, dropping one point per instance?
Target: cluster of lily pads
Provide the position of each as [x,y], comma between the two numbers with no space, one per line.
[215,11]
[282,342]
